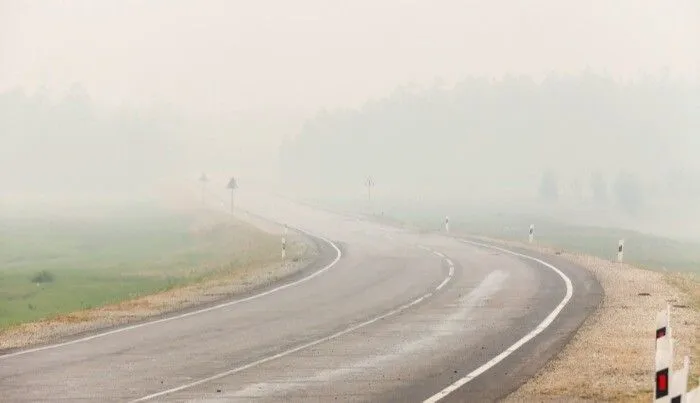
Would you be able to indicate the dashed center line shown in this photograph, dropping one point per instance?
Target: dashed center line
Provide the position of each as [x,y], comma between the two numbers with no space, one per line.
[309,344]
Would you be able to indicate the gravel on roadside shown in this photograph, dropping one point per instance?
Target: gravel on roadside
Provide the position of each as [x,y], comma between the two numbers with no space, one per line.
[611,357]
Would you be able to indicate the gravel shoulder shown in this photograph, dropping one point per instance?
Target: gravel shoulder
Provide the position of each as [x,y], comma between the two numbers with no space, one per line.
[301,252]
[611,357]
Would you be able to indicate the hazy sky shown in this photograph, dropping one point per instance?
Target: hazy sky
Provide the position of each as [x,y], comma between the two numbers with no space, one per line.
[307,54]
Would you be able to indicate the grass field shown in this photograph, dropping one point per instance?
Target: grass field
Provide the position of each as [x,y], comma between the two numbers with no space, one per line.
[644,250]
[90,262]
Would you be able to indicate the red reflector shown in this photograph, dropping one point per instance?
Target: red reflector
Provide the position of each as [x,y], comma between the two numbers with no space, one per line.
[662,383]
[660,333]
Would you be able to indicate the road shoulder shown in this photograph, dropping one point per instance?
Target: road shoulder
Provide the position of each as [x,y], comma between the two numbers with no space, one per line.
[610,358]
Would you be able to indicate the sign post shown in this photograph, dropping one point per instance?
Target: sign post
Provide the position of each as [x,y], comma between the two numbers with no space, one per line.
[203,179]
[370,184]
[233,185]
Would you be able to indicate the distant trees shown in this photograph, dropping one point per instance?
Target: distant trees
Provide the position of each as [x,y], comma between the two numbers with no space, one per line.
[549,186]
[72,144]
[629,193]
[492,133]
[599,188]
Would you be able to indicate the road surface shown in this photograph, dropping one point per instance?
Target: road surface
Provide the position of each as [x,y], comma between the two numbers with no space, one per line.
[384,315]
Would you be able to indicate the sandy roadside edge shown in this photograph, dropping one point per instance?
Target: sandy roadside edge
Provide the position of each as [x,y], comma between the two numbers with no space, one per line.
[302,251]
[611,357]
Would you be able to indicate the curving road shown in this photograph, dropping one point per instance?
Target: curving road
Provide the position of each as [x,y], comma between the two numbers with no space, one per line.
[384,315]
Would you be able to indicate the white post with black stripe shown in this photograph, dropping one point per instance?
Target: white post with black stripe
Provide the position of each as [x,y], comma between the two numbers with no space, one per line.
[284,242]
[620,250]
[664,359]
[663,322]
[532,233]
[447,224]
[679,383]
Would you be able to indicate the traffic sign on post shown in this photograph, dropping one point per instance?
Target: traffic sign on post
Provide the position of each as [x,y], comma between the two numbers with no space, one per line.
[203,179]
[233,185]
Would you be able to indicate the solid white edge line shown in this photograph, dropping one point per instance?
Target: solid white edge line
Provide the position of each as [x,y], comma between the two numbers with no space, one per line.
[301,347]
[192,313]
[449,263]
[442,284]
[449,275]
[539,329]
[452,267]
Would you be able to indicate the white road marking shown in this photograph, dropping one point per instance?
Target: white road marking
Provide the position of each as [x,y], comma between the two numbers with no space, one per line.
[452,272]
[539,329]
[184,315]
[442,284]
[298,348]
[452,325]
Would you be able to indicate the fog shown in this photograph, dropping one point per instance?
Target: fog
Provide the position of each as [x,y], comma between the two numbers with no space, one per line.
[584,111]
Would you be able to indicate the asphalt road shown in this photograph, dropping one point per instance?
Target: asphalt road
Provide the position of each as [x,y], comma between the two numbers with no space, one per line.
[384,315]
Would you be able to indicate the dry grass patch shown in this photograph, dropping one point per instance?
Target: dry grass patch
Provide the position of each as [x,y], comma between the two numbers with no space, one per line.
[689,283]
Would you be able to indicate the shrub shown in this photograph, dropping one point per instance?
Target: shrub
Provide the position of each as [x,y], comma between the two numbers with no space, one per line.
[43,276]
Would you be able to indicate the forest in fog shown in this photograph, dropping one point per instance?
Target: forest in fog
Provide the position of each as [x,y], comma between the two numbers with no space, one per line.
[567,140]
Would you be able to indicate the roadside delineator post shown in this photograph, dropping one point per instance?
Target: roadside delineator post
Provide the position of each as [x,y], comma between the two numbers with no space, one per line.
[532,232]
[664,358]
[620,250]
[447,224]
[284,242]
[670,386]
[663,327]
[679,382]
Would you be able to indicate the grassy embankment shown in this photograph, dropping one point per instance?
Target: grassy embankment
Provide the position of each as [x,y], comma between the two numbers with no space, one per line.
[50,267]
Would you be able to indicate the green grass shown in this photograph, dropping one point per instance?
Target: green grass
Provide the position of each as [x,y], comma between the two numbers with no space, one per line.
[644,250]
[99,261]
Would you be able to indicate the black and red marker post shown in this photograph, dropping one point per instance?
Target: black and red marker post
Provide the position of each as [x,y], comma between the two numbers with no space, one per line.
[664,357]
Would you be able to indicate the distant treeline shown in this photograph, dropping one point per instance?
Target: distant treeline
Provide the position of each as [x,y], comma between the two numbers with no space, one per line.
[73,145]
[585,136]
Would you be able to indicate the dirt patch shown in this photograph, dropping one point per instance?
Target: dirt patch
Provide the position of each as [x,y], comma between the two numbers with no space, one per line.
[226,284]
[611,358]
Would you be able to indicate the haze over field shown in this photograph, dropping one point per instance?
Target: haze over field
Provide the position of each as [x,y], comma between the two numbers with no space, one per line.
[586,110]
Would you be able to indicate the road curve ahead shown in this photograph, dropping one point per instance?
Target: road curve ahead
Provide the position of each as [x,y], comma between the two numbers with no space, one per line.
[385,315]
